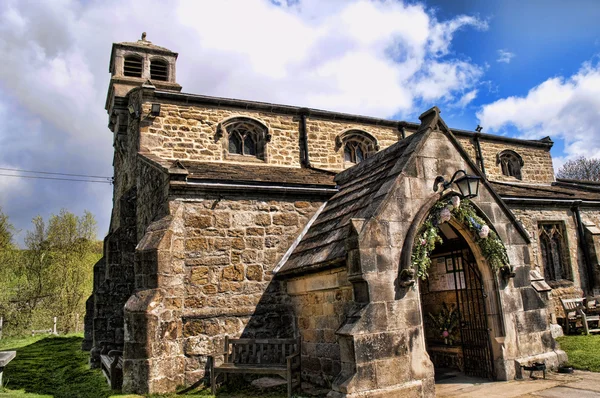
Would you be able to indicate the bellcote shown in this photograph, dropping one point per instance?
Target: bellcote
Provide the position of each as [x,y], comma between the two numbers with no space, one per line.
[133,64]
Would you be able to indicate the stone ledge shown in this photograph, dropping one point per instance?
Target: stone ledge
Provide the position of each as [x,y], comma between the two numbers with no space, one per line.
[552,360]
[413,388]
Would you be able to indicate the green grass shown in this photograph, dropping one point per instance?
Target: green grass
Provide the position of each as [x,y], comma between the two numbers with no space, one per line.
[583,351]
[52,366]
[48,367]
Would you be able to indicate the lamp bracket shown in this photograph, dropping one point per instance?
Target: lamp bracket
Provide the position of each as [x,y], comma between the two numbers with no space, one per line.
[446,184]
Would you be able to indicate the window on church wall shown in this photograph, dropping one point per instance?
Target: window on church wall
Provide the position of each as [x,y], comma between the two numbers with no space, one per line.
[354,152]
[159,70]
[554,251]
[246,138]
[510,163]
[357,146]
[132,66]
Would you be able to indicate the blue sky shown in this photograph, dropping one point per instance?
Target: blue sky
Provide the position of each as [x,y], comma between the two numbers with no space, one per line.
[520,68]
[545,38]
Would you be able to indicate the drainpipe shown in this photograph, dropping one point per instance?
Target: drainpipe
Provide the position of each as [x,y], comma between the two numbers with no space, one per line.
[402,129]
[479,154]
[583,245]
[304,159]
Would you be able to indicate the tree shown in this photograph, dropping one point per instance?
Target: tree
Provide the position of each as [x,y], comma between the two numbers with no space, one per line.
[6,231]
[580,169]
[53,275]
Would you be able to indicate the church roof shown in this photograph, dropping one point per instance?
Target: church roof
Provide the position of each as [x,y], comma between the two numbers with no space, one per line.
[362,190]
[257,173]
[556,191]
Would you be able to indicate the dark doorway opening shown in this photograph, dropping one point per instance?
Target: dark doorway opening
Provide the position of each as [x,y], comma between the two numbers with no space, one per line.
[455,317]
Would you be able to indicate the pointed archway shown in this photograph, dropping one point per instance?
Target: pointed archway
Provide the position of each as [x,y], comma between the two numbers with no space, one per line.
[478,252]
[453,302]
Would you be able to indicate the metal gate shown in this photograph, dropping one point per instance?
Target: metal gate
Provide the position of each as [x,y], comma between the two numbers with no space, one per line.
[474,330]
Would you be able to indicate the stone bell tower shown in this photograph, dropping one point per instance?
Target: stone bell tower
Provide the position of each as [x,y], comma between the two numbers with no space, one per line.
[133,64]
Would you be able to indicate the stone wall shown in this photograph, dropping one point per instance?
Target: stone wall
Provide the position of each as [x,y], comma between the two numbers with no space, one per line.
[537,162]
[190,132]
[114,280]
[322,146]
[530,217]
[322,302]
[152,194]
[230,247]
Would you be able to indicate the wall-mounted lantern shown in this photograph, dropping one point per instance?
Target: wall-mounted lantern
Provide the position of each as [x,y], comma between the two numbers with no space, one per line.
[467,184]
[155,110]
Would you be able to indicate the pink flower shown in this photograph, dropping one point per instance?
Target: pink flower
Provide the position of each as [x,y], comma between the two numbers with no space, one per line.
[423,242]
[445,215]
[484,232]
[455,201]
[445,334]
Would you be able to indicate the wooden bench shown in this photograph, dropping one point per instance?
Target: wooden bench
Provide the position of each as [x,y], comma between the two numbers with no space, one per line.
[574,311]
[112,367]
[5,358]
[259,356]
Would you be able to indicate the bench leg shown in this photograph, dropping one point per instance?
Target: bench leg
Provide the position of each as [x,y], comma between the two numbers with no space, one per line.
[213,379]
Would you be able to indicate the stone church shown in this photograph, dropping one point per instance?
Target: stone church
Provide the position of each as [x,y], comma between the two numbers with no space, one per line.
[242,218]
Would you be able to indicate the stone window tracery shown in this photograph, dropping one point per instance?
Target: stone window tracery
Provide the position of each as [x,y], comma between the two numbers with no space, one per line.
[358,145]
[554,251]
[245,137]
[510,163]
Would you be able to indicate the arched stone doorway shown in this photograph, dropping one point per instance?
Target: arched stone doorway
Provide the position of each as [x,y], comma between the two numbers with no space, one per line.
[455,315]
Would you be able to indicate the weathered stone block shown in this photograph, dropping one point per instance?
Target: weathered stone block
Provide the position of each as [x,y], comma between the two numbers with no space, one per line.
[233,273]
[254,273]
[199,275]
[287,219]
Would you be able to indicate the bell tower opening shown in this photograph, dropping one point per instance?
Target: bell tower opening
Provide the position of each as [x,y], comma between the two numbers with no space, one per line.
[133,64]
[455,317]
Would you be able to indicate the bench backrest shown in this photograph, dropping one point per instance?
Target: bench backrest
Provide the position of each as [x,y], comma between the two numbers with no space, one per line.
[260,351]
[571,306]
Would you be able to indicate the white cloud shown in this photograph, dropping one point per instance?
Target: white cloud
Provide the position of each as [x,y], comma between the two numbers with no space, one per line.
[560,107]
[379,58]
[467,98]
[505,56]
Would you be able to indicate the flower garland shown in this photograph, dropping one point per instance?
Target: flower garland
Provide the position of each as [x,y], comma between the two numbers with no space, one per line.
[490,244]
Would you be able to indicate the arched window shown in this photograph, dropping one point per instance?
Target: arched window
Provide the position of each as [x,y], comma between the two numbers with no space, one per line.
[246,137]
[511,163]
[132,66]
[358,145]
[554,252]
[159,70]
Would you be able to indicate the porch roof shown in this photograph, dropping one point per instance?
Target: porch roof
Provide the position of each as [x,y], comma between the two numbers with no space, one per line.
[361,191]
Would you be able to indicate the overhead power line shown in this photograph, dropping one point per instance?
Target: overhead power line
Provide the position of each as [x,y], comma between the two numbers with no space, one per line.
[109,181]
[48,172]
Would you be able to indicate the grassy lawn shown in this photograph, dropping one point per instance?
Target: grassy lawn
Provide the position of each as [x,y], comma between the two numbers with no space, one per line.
[48,367]
[583,351]
[51,366]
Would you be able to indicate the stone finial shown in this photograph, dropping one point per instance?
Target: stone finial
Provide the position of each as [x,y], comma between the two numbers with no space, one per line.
[430,118]
[143,36]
